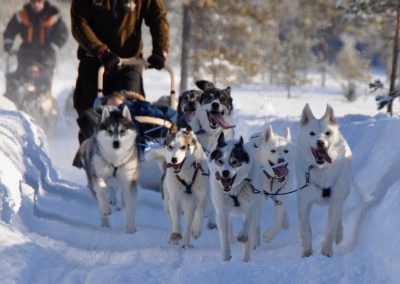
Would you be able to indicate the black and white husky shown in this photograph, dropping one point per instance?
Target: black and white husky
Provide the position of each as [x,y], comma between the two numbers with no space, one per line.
[213,114]
[110,159]
[235,189]
[185,186]
[274,155]
[323,158]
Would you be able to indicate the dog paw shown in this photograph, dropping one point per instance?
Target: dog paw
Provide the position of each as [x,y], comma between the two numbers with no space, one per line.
[211,226]
[196,234]
[246,259]
[307,253]
[174,238]
[268,236]
[327,251]
[242,238]
[187,246]
[226,257]
[130,229]
[104,222]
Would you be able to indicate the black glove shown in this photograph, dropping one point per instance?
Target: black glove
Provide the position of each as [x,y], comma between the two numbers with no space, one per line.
[156,61]
[8,46]
[111,61]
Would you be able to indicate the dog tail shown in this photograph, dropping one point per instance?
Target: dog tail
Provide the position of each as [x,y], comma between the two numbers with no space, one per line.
[156,154]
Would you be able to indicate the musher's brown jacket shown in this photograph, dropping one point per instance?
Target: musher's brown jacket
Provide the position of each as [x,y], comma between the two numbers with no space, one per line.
[116,25]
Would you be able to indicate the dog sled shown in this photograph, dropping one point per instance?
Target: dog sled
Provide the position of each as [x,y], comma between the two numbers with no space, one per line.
[152,129]
[31,93]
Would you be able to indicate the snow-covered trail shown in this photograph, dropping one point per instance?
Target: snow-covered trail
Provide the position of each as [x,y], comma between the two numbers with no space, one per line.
[50,230]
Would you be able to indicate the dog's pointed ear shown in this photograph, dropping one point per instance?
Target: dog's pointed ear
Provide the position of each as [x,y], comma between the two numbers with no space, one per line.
[307,115]
[204,85]
[240,143]
[228,90]
[173,129]
[126,113]
[288,134]
[330,115]
[188,129]
[105,114]
[221,140]
[268,133]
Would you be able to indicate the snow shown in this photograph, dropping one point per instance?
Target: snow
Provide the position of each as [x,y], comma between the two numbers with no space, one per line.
[49,226]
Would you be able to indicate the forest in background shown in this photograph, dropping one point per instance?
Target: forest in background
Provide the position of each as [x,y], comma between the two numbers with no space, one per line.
[276,42]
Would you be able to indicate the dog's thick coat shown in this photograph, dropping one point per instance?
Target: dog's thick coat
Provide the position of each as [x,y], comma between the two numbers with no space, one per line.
[235,189]
[213,114]
[184,185]
[324,155]
[274,155]
[110,159]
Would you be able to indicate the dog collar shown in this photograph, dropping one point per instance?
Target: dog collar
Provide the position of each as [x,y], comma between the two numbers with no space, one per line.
[326,192]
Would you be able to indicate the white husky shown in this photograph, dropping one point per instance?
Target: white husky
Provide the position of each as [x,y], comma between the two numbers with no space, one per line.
[324,159]
[235,181]
[185,186]
[274,156]
[110,159]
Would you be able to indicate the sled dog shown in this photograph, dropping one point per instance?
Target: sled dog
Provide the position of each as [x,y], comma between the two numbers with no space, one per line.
[235,183]
[185,186]
[274,155]
[324,159]
[187,106]
[213,114]
[110,159]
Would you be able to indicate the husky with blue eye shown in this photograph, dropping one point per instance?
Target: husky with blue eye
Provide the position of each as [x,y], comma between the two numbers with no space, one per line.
[110,159]
[323,159]
[235,189]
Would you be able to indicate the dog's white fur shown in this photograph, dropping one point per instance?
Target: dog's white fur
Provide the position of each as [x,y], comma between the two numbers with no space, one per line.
[250,202]
[335,175]
[100,160]
[183,148]
[269,147]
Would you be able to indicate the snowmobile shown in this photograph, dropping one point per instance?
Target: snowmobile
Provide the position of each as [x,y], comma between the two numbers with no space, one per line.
[29,90]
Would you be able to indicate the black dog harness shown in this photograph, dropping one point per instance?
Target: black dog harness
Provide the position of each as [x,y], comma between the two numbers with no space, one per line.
[188,186]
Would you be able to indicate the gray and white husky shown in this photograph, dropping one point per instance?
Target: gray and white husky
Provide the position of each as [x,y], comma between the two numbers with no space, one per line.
[185,186]
[110,159]
[235,189]
[274,155]
[212,115]
[324,159]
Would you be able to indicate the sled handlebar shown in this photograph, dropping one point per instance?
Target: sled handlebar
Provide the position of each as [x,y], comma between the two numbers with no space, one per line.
[134,61]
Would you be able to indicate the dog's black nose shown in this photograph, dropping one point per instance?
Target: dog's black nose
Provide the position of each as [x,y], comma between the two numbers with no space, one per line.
[174,160]
[215,106]
[281,160]
[225,174]
[320,143]
[191,104]
[116,144]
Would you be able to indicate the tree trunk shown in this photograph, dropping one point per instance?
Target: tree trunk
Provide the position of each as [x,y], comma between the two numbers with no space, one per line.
[186,44]
[393,74]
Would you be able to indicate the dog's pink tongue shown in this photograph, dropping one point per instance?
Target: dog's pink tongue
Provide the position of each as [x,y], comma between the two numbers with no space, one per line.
[221,121]
[322,153]
[281,171]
